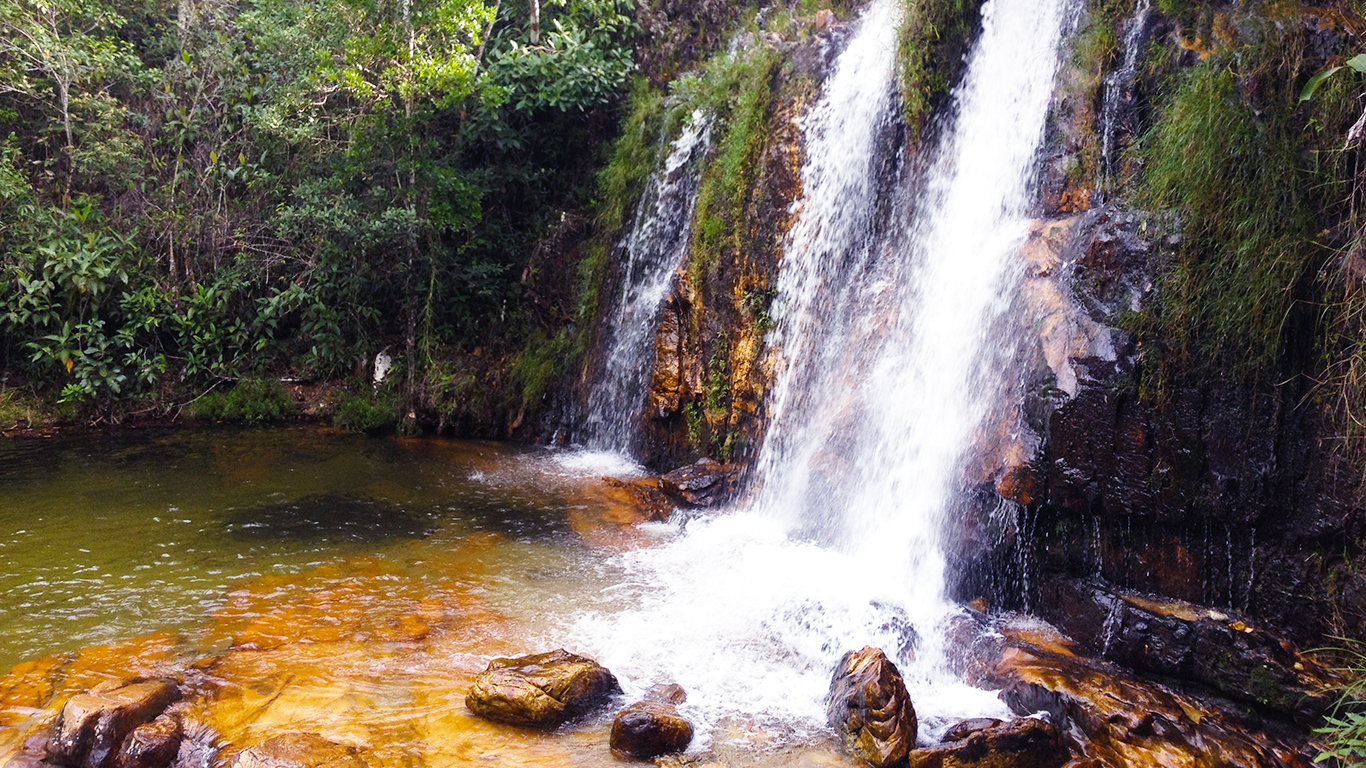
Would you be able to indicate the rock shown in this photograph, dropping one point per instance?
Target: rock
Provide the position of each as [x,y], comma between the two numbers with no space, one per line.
[540,691]
[672,693]
[648,729]
[636,500]
[1024,743]
[704,484]
[869,708]
[823,20]
[1188,642]
[298,750]
[151,745]
[968,727]
[92,726]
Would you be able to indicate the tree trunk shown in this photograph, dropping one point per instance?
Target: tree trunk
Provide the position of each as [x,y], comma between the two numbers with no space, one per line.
[535,22]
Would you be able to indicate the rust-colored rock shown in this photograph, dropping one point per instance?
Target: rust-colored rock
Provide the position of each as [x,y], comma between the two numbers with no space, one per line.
[1019,484]
[298,750]
[638,499]
[704,484]
[540,691]
[648,729]
[93,725]
[151,745]
[869,708]
[968,727]
[1024,743]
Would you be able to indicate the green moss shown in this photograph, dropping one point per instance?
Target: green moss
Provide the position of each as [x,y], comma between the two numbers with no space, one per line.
[933,37]
[738,89]
[18,408]
[252,401]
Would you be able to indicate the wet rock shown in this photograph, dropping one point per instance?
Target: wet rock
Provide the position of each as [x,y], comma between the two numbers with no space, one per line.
[704,484]
[869,708]
[1118,720]
[968,727]
[151,745]
[1024,743]
[540,691]
[93,725]
[650,728]
[298,750]
[638,500]
[672,693]
[1190,642]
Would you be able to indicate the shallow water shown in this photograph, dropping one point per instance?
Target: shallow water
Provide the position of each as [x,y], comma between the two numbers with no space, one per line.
[300,579]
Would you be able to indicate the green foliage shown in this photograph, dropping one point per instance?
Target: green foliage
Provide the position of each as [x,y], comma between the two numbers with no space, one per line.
[737,88]
[251,401]
[931,42]
[368,413]
[283,184]
[1344,729]
[539,363]
[1231,161]
[716,390]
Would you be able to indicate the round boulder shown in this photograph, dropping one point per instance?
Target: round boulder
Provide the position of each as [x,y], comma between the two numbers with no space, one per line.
[647,729]
[870,710]
[540,691]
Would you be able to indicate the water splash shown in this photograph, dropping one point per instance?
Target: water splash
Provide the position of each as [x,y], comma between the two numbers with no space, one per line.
[654,251]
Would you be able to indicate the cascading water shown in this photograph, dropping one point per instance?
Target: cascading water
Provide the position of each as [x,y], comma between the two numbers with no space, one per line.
[892,313]
[656,246]
[1119,86]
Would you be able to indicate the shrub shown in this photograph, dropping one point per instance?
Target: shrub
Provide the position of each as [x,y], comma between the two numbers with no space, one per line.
[252,401]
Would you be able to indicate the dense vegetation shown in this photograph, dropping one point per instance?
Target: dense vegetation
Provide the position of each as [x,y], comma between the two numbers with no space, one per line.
[226,190]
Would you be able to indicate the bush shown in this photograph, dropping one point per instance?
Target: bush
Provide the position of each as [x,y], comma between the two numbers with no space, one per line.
[365,413]
[252,401]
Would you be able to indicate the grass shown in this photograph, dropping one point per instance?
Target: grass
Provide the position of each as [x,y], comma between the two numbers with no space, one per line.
[738,89]
[1240,161]
[1344,730]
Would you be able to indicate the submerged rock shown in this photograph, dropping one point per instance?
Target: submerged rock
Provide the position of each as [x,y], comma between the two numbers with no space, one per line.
[92,726]
[986,743]
[704,484]
[540,691]
[298,750]
[869,708]
[653,727]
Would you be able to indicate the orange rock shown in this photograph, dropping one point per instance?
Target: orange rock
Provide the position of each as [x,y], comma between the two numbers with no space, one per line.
[1019,484]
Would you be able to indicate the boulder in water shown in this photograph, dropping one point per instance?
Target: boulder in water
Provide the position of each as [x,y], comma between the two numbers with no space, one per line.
[298,750]
[92,726]
[704,484]
[650,728]
[151,745]
[540,691]
[1024,743]
[869,708]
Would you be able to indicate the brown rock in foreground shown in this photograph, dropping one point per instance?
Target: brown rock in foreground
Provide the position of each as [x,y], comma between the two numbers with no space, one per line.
[869,708]
[298,750]
[1024,743]
[648,729]
[93,725]
[540,691]
[151,745]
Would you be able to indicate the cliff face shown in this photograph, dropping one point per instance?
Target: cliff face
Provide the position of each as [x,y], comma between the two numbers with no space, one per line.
[1176,436]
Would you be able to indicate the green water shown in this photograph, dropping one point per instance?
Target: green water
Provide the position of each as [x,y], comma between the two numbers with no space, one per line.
[108,537]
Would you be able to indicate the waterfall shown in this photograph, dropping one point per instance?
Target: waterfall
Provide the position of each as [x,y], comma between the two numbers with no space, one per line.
[896,312]
[1119,84]
[654,251]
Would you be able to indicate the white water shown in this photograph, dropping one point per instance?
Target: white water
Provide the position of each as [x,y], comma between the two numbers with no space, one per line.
[1119,86]
[893,321]
[656,247]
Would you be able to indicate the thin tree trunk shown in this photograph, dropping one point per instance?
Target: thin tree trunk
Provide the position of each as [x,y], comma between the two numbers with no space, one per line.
[535,22]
